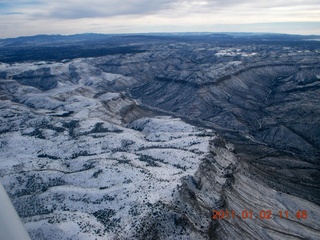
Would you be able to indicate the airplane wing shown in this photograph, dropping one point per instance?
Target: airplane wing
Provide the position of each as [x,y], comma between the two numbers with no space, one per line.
[11,227]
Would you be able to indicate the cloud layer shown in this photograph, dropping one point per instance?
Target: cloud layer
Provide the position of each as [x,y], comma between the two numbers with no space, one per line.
[20,17]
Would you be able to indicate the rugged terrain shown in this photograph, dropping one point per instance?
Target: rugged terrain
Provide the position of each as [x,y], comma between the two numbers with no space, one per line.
[142,137]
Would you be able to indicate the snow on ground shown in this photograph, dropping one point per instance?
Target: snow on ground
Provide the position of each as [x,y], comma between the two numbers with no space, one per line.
[71,172]
[117,169]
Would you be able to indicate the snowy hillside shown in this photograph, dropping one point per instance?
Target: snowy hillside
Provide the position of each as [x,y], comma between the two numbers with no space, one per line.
[145,136]
[71,165]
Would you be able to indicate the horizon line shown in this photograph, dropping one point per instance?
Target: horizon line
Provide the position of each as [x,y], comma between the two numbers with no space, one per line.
[161,33]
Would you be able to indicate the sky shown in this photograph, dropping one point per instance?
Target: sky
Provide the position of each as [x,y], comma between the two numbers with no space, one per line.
[32,17]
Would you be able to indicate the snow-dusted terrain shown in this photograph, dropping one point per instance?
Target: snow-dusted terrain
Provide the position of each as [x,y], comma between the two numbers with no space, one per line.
[143,137]
[71,165]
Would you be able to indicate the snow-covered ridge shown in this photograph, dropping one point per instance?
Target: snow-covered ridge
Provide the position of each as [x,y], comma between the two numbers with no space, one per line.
[82,160]
[74,169]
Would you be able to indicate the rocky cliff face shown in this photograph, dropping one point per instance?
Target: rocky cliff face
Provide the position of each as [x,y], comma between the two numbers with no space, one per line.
[147,144]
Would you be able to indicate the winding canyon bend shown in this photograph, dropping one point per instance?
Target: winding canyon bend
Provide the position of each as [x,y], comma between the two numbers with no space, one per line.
[143,136]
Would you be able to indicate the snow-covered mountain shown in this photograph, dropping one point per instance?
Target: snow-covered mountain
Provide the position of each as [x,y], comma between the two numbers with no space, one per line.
[75,169]
[146,144]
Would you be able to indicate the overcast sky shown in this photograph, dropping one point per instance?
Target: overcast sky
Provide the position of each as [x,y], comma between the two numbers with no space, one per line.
[31,17]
